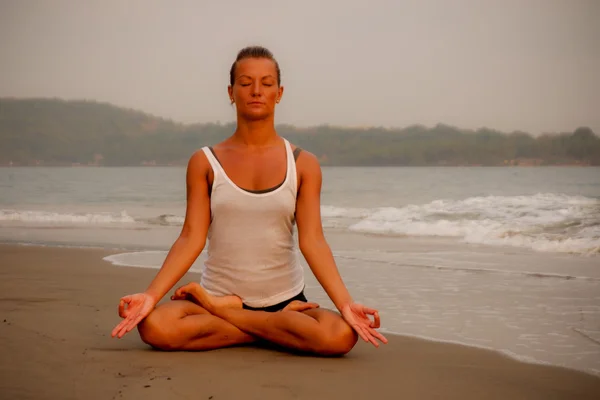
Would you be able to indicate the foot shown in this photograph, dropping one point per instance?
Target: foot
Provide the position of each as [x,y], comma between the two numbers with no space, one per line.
[219,302]
[298,305]
[196,293]
[214,303]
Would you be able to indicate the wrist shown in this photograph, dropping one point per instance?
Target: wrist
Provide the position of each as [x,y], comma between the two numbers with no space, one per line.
[153,295]
[340,305]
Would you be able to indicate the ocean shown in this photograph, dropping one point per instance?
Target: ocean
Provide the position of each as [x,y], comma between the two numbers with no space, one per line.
[505,258]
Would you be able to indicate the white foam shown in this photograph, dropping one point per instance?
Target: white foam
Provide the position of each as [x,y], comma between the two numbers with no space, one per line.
[542,222]
[174,219]
[152,259]
[167,219]
[586,246]
[142,259]
[66,218]
[56,245]
[122,217]
[343,212]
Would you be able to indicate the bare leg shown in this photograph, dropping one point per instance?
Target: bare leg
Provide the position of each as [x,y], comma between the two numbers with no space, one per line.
[316,331]
[183,325]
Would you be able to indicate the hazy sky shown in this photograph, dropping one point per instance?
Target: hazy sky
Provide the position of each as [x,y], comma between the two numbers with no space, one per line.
[507,64]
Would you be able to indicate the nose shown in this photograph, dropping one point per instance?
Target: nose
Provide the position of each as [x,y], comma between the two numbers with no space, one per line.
[256,90]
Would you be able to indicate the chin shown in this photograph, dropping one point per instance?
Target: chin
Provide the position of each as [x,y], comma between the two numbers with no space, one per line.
[255,116]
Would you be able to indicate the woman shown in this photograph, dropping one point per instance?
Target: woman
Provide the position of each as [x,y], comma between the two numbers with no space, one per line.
[244,196]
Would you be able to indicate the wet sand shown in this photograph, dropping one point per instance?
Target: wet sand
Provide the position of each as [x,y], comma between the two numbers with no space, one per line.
[58,306]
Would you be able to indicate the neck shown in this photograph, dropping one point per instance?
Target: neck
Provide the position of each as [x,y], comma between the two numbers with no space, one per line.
[255,133]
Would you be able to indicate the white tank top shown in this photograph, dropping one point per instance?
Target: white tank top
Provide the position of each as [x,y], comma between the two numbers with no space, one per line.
[252,250]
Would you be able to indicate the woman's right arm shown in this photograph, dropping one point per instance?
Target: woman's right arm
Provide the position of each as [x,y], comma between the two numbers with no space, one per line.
[192,238]
[188,246]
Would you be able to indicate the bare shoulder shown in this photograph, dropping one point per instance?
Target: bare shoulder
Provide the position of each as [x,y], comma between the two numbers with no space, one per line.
[198,165]
[198,159]
[307,163]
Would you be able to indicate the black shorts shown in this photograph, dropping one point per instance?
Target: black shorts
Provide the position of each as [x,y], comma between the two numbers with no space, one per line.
[279,306]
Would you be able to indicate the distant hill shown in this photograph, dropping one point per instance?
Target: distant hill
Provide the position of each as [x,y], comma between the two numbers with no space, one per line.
[54,131]
[59,132]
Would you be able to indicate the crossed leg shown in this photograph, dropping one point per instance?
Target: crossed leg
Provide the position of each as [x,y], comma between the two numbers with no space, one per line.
[185,325]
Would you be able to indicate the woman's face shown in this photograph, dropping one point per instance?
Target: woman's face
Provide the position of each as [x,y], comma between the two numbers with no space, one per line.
[255,90]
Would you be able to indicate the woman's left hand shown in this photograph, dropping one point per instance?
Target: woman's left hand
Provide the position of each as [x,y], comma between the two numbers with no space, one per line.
[357,316]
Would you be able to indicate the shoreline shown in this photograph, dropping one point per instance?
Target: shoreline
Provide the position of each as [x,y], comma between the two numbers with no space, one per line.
[111,251]
[59,305]
[504,352]
[107,252]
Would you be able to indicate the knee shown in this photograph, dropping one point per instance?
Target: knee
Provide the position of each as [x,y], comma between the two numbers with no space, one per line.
[155,332]
[339,340]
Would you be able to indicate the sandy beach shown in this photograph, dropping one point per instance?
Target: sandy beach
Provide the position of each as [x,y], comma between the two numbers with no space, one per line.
[58,306]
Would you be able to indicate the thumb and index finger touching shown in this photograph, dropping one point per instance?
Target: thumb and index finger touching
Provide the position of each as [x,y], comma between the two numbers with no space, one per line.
[366,328]
[376,323]
[124,300]
[132,316]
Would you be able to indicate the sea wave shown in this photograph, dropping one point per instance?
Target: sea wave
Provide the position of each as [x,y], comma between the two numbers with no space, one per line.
[167,220]
[66,218]
[542,222]
[343,212]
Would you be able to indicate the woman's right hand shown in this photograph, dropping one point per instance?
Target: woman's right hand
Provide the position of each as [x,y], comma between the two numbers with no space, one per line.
[133,308]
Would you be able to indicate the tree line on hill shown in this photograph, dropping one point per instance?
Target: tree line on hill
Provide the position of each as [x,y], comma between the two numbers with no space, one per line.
[58,132]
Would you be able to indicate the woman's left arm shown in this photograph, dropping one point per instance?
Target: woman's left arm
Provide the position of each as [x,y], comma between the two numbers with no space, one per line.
[318,255]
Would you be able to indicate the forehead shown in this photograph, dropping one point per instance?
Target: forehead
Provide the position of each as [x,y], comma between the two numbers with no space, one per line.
[255,67]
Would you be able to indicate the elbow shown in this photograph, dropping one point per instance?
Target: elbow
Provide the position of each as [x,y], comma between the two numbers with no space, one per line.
[303,244]
[311,244]
[199,245]
[192,239]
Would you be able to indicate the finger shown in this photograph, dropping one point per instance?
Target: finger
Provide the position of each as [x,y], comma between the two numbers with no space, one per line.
[122,309]
[118,328]
[360,332]
[126,324]
[122,332]
[126,328]
[376,322]
[373,341]
[369,336]
[177,296]
[186,287]
[133,324]
[122,302]
[311,305]
[189,297]
[371,311]
[182,292]
[379,336]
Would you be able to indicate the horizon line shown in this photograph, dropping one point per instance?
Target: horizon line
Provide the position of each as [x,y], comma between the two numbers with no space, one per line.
[338,126]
